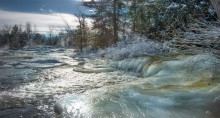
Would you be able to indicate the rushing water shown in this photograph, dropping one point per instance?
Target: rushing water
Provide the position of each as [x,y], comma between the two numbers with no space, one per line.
[179,86]
[174,87]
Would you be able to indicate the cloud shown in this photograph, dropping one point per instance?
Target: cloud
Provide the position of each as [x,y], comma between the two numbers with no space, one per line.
[42,21]
[50,10]
[41,9]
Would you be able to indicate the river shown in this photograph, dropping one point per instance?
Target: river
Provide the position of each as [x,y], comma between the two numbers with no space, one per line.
[55,83]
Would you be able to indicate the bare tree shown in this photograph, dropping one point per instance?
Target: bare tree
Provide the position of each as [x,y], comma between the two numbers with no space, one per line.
[6,29]
[81,31]
[28,29]
[51,31]
[35,29]
[20,27]
[68,38]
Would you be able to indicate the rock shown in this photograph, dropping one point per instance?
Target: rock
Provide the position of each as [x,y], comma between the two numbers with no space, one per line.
[58,109]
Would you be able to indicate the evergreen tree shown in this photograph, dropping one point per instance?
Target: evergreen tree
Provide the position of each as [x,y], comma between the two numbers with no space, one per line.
[13,40]
[106,20]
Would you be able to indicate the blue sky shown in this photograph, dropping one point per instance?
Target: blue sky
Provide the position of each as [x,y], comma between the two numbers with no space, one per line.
[36,6]
[42,13]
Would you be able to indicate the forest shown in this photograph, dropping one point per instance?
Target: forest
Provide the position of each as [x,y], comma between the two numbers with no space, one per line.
[116,21]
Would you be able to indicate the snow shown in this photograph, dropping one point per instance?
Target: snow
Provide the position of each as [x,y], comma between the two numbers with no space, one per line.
[134,47]
[173,5]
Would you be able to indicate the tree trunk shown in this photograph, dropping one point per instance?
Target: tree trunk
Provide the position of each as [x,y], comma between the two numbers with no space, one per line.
[115,25]
[216,5]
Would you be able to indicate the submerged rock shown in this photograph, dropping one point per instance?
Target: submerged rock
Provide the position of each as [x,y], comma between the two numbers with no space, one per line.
[45,63]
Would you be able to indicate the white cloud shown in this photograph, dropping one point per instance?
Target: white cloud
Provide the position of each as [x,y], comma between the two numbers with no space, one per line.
[41,9]
[42,21]
[51,11]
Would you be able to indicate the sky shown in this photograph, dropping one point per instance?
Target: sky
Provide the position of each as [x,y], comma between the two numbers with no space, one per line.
[41,13]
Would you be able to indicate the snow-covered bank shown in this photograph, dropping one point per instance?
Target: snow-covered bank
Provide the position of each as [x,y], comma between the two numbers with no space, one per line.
[199,37]
[135,48]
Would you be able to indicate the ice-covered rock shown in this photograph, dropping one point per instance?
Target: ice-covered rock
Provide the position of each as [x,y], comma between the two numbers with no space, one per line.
[175,70]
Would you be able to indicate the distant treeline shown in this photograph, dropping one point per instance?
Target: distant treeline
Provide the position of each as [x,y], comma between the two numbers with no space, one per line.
[17,36]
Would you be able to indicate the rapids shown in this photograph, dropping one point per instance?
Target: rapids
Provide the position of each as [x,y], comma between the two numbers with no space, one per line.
[180,86]
[54,83]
